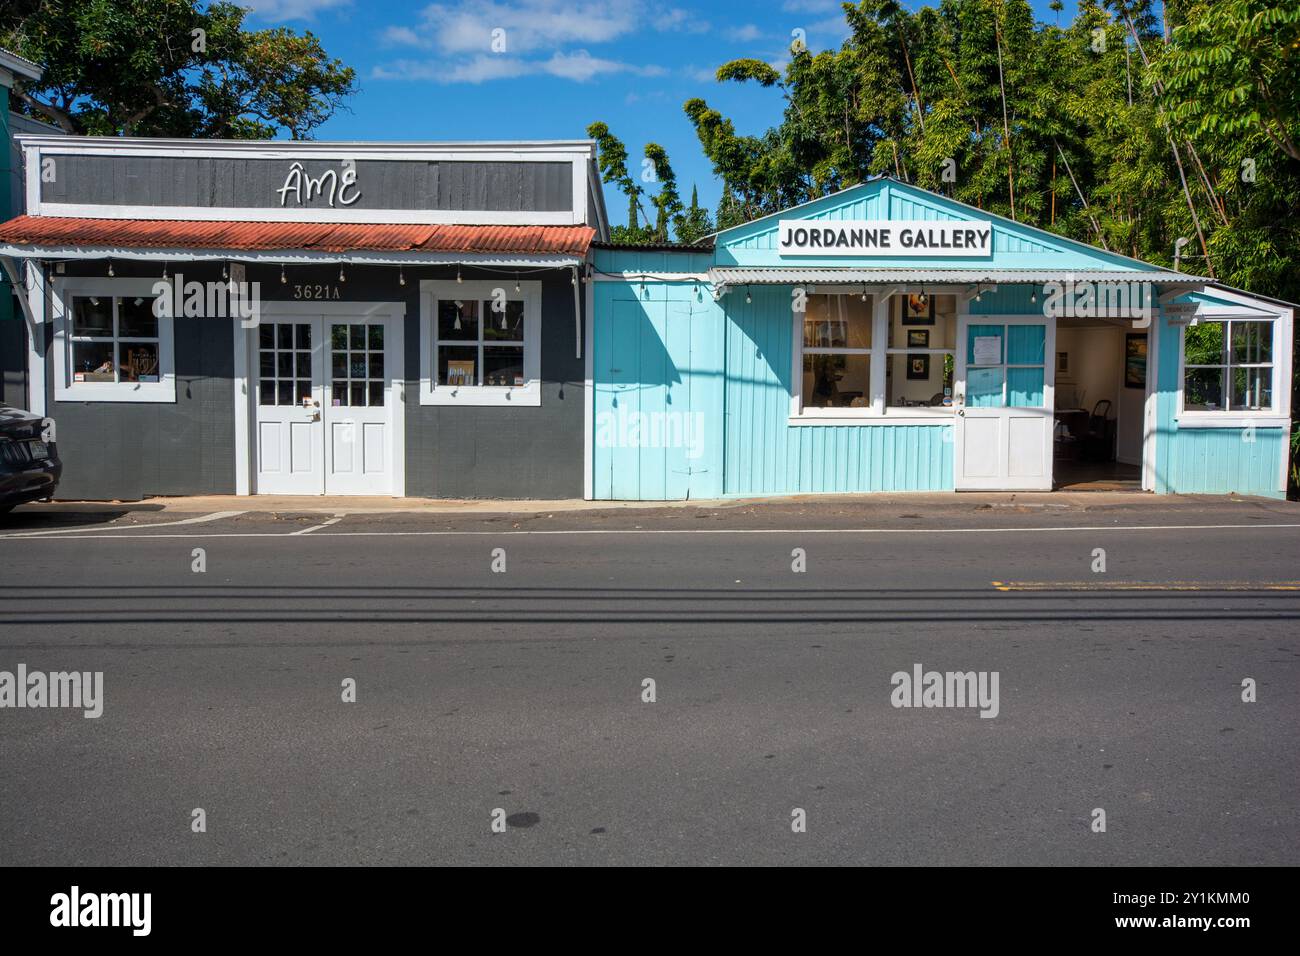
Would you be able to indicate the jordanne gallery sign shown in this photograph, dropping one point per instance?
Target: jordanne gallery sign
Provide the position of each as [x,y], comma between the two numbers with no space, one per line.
[865,237]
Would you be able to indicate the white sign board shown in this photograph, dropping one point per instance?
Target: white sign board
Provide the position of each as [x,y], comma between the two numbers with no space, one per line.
[869,238]
[988,350]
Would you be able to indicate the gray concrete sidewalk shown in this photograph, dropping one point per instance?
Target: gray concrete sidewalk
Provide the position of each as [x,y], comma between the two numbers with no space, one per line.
[929,503]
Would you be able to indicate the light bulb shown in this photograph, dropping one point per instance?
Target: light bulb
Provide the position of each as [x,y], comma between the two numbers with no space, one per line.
[458,278]
[110,267]
[401,276]
[283,279]
[342,277]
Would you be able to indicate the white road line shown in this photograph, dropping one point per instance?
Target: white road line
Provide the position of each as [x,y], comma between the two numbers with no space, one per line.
[316,527]
[200,519]
[686,531]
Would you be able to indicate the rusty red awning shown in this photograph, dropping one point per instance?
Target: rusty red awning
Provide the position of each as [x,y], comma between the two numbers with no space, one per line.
[59,231]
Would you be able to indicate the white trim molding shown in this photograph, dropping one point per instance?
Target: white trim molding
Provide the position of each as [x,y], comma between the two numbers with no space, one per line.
[68,390]
[527,395]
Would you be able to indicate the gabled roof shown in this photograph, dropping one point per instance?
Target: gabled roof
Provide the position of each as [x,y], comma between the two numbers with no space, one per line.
[20,65]
[1016,244]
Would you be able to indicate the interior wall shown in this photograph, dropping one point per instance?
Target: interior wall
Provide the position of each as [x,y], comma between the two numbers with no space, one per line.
[1094,367]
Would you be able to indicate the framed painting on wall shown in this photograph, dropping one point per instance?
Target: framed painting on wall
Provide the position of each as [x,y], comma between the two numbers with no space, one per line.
[916,309]
[1135,360]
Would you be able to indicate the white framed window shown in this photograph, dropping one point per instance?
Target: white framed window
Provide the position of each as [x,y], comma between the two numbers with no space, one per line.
[480,342]
[109,346]
[1228,373]
[833,356]
[921,354]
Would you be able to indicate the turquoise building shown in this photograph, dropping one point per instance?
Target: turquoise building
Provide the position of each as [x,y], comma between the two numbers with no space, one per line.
[887,338]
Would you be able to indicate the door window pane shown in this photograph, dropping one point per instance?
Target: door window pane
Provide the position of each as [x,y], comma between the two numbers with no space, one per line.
[357,336]
[1026,344]
[376,334]
[1024,388]
[984,387]
[284,335]
[303,335]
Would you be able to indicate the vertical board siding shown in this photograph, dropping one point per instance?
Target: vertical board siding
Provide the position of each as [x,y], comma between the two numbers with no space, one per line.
[1213,461]
[657,360]
[765,455]
[673,349]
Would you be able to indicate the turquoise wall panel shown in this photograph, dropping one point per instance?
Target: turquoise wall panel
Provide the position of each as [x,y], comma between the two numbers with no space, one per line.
[1210,460]
[657,362]
[766,455]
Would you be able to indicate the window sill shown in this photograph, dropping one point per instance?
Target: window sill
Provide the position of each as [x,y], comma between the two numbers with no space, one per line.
[116,392]
[901,418]
[1231,420]
[526,396]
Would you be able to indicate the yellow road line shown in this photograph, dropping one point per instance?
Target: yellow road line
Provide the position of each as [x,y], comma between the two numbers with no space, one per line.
[1141,586]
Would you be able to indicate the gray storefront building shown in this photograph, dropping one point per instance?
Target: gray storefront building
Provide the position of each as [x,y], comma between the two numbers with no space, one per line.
[225,317]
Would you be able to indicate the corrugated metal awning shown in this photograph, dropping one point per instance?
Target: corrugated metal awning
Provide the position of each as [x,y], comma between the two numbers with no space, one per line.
[848,275]
[51,233]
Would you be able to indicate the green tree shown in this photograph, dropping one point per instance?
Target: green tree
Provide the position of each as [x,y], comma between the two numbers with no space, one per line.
[178,68]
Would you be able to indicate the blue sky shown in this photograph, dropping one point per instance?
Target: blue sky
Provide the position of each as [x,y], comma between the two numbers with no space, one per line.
[427,71]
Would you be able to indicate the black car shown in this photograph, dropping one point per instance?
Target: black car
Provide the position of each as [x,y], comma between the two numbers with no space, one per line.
[29,459]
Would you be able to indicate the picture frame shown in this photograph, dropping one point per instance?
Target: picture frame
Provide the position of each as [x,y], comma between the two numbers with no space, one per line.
[918,338]
[1135,360]
[913,311]
[918,367]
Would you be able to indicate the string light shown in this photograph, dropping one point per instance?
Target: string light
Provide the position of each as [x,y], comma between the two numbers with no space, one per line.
[977,294]
[164,272]
[401,276]
[283,278]
[1033,296]
[516,281]
[864,293]
[110,268]
[748,298]
[458,278]
[342,277]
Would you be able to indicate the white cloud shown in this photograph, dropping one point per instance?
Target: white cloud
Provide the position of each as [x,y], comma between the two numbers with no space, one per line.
[291,9]
[482,40]
[465,26]
[401,36]
[745,34]
[579,67]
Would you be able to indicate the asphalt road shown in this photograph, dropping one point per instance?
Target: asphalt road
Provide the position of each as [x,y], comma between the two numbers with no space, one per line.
[522,690]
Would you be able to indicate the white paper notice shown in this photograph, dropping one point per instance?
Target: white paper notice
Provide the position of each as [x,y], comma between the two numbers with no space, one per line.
[988,350]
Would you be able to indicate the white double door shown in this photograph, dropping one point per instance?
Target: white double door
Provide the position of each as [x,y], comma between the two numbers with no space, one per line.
[1003,394]
[326,391]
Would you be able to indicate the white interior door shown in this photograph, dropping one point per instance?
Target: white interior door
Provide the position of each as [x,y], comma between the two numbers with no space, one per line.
[1004,385]
[287,433]
[362,390]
